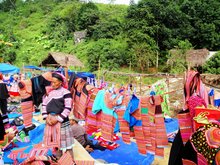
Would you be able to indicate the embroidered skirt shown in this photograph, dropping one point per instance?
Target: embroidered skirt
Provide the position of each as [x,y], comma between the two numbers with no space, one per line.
[66,138]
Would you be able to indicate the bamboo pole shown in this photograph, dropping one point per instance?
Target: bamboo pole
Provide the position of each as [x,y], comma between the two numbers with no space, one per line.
[130,72]
[164,75]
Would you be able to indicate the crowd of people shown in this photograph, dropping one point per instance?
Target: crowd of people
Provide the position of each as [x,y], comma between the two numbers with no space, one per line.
[60,131]
[62,125]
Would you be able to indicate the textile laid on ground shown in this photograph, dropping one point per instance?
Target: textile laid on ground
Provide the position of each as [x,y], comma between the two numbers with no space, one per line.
[125,154]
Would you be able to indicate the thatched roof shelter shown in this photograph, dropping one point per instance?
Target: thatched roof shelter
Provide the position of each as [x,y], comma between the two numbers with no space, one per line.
[61,59]
[194,57]
[197,57]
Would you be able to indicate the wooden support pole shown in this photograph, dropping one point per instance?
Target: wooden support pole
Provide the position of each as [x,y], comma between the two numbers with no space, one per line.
[99,68]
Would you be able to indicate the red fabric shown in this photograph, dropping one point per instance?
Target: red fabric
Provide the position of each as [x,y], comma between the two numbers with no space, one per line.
[211,114]
[188,162]
[14,93]
[185,124]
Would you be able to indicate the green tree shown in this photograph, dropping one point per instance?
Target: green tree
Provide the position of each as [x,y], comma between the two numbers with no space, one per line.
[143,57]
[111,53]
[88,16]
[7,5]
[7,49]
[213,65]
[204,17]
[177,60]
[106,29]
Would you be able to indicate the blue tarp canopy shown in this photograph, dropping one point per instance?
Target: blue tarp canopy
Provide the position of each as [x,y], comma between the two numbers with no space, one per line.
[79,74]
[35,68]
[8,69]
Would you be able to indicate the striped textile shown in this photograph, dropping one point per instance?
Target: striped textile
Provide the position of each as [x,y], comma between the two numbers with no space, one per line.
[66,137]
[52,135]
[185,124]
[140,140]
[27,109]
[153,126]
[161,141]
[85,162]
[201,159]
[188,162]
[108,125]
[217,158]
[66,159]
[14,153]
[27,106]
[80,106]
[91,119]
[159,152]
[124,126]
[146,128]
[38,151]
[126,138]
[79,98]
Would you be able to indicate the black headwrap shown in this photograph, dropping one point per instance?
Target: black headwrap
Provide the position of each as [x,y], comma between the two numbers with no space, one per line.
[56,75]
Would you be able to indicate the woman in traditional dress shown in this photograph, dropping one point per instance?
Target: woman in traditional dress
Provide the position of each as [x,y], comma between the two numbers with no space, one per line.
[57,105]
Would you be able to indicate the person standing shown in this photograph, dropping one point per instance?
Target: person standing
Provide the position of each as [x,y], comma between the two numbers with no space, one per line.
[56,108]
[4,95]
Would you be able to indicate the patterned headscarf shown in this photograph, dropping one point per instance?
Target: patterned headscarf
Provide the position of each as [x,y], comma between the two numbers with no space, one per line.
[60,77]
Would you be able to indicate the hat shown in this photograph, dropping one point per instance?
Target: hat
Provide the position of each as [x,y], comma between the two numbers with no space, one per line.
[72,117]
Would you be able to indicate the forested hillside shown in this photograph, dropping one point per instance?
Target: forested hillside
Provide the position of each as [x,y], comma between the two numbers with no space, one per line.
[117,35]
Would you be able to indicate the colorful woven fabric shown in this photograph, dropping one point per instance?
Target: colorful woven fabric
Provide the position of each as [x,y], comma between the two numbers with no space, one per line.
[193,102]
[161,89]
[66,137]
[85,162]
[66,159]
[124,126]
[27,109]
[107,128]
[213,137]
[217,158]
[153,125]
[80,99]
[161,140]
[188,162]
[139,136]
[201,159]
[52,135]
[185,124]
[201,144]
[92,122]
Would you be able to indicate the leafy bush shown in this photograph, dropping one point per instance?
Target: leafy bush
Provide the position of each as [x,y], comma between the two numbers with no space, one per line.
[213,64]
